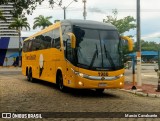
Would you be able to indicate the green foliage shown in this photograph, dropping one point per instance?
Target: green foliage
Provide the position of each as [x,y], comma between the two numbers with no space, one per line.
[148,46]
[42,21]
[28,5]
[123,25]
[19,23]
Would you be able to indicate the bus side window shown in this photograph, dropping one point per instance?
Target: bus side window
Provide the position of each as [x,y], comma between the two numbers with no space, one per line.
[69,53]
[48,41]
[65,30]
[30,45]
[40,40]
[37,44]
[25,46]
[56,37]
[48,37]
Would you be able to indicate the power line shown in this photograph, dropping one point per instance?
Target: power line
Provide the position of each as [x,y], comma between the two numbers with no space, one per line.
[92,9]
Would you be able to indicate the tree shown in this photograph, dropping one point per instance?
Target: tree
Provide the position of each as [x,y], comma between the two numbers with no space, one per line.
[148,46]
[18,24]
[42,21]
[1,16]
[123,25]
[28,5]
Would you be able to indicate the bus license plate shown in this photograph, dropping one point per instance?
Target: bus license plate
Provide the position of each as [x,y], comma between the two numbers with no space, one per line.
[102,84]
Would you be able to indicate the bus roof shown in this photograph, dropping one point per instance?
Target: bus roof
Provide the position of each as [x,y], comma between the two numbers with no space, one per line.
[89,24]
[44,30]
[77,22]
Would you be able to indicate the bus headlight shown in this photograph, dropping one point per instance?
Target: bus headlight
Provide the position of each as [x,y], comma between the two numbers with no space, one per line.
[120,75]
[82,75]
[109,78]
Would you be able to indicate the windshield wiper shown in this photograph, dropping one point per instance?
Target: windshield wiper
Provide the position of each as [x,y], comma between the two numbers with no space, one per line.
[109,58]
[94,57]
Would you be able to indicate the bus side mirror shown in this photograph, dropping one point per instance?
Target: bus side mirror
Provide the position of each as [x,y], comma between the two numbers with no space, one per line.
[73,40]
[130,42]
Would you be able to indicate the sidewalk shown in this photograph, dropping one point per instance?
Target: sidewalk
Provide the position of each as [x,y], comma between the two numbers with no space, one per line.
[145,90]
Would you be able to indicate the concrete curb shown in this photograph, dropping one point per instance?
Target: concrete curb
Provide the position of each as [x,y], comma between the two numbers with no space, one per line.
[140,93]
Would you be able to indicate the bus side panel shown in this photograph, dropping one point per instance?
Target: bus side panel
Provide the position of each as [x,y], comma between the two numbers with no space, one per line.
[42,63]
[70,75]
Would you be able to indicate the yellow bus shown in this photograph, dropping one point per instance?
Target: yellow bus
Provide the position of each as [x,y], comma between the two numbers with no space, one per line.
[77,54]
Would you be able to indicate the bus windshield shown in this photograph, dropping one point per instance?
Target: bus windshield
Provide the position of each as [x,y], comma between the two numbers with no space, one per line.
[98,49]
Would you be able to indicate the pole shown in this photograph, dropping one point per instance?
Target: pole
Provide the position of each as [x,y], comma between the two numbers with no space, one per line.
[158,72]
[133,73]
[19,55]
[64,8]
[138,45]
[84,12]
[159,60]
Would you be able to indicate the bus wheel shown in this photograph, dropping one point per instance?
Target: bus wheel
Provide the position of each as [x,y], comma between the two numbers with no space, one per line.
[29,76]
[99,91]
[60,82]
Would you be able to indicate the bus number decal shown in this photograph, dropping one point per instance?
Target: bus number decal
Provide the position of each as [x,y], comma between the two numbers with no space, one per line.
[102,73]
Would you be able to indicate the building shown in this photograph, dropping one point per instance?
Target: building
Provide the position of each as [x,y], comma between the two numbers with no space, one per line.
[4,30]
[9,40]
[147,56]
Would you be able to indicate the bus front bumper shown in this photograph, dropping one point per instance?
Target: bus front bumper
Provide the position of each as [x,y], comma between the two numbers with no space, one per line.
[83,83]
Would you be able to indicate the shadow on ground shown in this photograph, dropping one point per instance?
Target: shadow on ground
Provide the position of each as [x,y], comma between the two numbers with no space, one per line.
[84,93]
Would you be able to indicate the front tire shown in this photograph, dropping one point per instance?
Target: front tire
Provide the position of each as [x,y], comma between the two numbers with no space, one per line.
[60,82]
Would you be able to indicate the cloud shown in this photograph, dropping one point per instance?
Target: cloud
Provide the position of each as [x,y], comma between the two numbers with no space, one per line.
[96,10]
[152,35]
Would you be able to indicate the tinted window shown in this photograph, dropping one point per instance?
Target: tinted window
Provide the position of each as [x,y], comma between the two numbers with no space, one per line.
[66,42]
[56,38]
[25,46]
[44,41]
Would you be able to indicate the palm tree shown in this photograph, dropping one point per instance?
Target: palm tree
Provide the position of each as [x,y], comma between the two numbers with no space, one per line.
[18,24]
[42,21]
[1,16]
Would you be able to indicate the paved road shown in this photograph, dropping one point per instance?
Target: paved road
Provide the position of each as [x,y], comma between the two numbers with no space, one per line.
[19,95]
[148,75]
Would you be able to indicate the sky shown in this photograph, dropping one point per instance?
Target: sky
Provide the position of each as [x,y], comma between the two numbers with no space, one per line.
[97,10]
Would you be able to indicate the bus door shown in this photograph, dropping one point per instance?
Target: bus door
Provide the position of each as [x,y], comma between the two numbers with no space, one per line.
[69,59]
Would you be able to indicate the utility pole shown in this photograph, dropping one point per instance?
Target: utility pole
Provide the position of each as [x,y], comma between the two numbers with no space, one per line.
[138,45]
[64,9]
[84,12]
[60,5]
